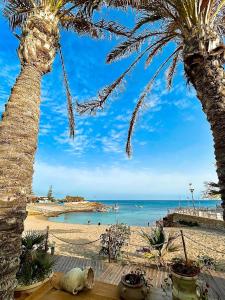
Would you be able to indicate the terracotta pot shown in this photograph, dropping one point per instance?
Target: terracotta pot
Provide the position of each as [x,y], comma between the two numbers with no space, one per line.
[132,292]
[184,287]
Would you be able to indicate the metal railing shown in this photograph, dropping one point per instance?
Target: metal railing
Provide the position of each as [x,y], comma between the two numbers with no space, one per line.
[210,213]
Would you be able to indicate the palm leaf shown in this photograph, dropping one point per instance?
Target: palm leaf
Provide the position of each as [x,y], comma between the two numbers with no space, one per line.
[69,97]
[172,69]
[92,106]
[140,104]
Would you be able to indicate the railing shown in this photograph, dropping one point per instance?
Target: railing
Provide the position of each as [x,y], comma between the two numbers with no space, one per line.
[210,213]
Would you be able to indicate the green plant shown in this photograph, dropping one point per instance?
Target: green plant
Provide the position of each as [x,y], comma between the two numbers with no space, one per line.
[137,277]
[113,240]
[206,262]
[35,263]
[158,244]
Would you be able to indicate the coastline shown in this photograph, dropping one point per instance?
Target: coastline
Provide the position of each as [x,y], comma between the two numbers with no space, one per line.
[54,209]
[67,235]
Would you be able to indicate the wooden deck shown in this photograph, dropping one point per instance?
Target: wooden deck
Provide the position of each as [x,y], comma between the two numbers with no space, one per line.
[105,272]
[111,273]
[100,291]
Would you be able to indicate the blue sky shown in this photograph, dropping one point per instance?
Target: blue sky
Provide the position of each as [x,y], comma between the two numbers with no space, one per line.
[172,143]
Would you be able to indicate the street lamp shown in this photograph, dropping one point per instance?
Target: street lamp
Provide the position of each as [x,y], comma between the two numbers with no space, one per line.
[191,189]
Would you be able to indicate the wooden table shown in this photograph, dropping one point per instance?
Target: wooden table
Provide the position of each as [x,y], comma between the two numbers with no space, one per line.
[101,291]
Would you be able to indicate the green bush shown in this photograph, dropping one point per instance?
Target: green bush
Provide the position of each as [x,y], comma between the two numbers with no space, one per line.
[35,263]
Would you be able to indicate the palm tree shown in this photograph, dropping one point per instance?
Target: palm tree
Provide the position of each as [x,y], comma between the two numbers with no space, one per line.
[38,23]
[194,29]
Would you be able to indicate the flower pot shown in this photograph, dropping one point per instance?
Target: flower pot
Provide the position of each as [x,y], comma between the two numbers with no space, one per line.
[132,292]
[184,287]
[32,287]
[76,280]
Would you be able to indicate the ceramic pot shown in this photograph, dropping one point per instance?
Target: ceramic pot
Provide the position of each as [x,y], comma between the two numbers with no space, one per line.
[76,280]
[32,287]
[132,292]
[184,287]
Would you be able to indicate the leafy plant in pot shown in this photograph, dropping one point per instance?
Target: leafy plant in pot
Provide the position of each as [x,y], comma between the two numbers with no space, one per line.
[36,264]
[184,275]
[134,286]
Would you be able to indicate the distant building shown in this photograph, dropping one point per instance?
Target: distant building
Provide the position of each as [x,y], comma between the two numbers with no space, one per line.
[38,199]
[74,199]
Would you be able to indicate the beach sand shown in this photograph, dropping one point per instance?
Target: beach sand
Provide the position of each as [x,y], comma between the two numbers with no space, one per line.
[77,234]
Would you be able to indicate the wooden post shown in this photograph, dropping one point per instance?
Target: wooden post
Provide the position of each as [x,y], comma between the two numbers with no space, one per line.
[184,246]
[109,247]
[46,239]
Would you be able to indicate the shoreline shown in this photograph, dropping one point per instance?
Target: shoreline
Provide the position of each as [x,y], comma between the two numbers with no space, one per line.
[55,209]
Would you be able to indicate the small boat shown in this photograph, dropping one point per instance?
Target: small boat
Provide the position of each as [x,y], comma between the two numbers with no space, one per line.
[115,207]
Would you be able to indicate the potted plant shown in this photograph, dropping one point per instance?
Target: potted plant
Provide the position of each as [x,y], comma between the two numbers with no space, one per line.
[36,264]
[184,275]
[134,286]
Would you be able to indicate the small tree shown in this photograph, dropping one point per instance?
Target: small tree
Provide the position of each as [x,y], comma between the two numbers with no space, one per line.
[50,194]
[113,240]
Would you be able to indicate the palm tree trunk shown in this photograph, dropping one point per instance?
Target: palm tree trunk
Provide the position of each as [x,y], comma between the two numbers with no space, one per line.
[18,143]
[208,78]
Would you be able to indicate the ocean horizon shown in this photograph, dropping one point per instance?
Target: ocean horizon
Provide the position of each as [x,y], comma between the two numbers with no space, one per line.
[131,212]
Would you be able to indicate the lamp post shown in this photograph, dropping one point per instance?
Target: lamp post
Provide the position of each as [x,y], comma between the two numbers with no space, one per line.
[191,189]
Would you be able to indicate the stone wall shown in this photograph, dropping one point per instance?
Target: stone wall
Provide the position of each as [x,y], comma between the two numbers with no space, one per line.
[203,222]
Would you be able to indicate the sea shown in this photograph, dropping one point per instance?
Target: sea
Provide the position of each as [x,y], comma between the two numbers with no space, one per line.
[131,212]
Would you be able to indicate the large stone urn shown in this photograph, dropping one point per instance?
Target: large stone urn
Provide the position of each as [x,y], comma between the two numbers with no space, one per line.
[184,286]
[128,291]
[76,280]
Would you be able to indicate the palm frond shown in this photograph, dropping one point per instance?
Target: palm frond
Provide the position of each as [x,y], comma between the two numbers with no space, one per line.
[16,11]
[94,105]
[172,69]
[125,4]
[146,19]
[69,97]
[113,28]
[141,102]
[129,46]
[80,25]
[159,45]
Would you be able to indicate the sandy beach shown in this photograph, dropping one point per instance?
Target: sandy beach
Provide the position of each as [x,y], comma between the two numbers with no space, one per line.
[72,234]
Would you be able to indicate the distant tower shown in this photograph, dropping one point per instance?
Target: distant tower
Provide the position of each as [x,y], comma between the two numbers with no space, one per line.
[191,189]
[50,194]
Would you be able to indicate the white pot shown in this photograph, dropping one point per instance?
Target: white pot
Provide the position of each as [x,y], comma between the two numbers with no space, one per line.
[76,280]
[32,287]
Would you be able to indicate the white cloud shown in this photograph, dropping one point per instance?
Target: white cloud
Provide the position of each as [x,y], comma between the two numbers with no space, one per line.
[77,146]
[45,129]
[114,142]
[109,182]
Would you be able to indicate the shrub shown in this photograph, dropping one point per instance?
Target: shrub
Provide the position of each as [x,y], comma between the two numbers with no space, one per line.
[113,240]
[35,263]
[158,244]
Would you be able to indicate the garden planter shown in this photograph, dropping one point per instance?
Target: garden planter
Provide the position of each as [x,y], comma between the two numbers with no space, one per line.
[32,287]
[132,292]
[184,286]
[76,280]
